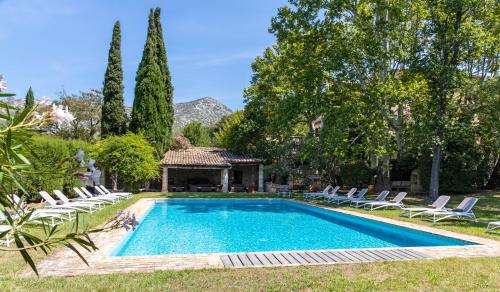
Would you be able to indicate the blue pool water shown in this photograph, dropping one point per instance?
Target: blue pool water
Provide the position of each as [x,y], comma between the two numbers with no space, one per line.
[184,226]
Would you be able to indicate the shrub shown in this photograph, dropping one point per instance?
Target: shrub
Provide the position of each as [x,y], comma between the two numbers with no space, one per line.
[197,134]
[129,157]
[53,165]
[355,174]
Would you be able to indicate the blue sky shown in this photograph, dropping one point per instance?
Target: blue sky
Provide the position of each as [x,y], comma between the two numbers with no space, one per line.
[63,44]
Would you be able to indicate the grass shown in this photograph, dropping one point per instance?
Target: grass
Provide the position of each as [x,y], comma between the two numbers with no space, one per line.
[487,209]
[475,274]
[439,275]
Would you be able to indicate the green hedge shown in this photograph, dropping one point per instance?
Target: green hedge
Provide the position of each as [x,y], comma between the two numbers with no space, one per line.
[53,165]
[355,174]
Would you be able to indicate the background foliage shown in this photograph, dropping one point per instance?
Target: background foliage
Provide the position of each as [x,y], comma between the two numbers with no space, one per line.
[53,165]
[129,156]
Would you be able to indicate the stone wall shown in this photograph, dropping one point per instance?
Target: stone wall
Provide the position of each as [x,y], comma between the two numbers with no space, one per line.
[250,174]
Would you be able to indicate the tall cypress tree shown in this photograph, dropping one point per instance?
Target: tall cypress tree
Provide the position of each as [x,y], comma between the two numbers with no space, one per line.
[29,102]
[149,101]
[161,53]
[114,118]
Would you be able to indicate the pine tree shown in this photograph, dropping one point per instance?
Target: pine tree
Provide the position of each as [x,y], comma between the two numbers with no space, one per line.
[114,118]
[149,101]
[29,102]
[161,53]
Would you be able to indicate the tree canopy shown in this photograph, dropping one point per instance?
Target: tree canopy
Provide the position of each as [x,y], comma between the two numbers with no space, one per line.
[197,135]
[114,118]
[129,156]
[86,108]
[150,113]
[29,101]
[375,75]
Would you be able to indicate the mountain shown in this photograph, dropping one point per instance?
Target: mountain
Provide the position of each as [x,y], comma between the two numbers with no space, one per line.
[207,111]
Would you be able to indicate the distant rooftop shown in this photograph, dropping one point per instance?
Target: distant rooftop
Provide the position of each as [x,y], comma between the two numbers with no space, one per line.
[206,157]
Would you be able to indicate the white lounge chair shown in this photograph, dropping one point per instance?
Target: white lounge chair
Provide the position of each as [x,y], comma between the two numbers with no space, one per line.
[326,191]
[493,226]
[338,199]
[360,196]
[103,192]
[463,210]
[103,199]
[95,205]
[54,216]
[332,195]
[397,201]
[72,206]
[438,205]
[106,191]
[7,239]
[380,198]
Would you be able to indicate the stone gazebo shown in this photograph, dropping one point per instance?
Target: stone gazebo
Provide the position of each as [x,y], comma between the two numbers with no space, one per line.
[211,169]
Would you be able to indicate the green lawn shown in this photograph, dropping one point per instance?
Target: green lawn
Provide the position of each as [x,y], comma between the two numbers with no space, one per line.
[475,274]
[487,209]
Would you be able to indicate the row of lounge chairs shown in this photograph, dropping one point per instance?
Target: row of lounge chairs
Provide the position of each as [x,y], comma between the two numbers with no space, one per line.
[434,212]
[53,213]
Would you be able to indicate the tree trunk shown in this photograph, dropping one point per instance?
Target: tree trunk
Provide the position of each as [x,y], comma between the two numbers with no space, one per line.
[383,179]
[436,166]
[494,180]
[114,181]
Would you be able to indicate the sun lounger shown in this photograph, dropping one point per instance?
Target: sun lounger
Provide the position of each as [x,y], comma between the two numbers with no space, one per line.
[463,210]
[126,194]
[397,201]
[325,192]
[360,202]
[72,206]
[438,205]
[332,195]
[96,205]
[53,216]
[7,238]
[103,199]
[338,199]
[492,226]
[103,192]
[360,196]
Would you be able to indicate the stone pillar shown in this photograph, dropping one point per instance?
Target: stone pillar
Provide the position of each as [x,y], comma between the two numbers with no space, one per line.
[261,178]
[224,180]
[164,180]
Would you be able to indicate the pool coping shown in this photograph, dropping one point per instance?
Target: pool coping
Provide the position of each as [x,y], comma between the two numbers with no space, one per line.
[64,263]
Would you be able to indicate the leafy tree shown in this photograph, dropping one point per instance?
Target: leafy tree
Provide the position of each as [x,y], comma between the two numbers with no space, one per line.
[129,157]
[197,134]
[29,101]
[369,70]
[226,133]
[114,118]
[86,108]
[53,166]
[161,53]
[149,102]
[460,36]
[16,130]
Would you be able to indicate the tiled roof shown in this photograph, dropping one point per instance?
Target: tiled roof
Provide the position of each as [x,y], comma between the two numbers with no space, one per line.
[206,157]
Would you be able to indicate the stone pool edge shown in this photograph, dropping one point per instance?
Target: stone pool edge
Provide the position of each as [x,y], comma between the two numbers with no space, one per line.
[64,263]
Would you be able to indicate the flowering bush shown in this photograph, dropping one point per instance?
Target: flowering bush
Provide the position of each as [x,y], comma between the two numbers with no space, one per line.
[17,127]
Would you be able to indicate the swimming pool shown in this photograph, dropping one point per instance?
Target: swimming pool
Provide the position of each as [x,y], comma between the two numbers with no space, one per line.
[200,226]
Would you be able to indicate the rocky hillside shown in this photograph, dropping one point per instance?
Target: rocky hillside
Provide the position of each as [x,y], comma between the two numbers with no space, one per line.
[207,111]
